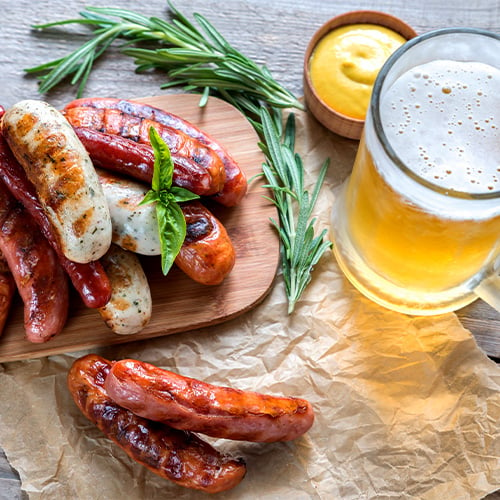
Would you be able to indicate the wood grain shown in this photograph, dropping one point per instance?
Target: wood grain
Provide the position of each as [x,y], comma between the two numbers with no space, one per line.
[179,303]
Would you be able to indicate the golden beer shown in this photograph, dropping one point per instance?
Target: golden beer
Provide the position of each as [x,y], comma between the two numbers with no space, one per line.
[416,227]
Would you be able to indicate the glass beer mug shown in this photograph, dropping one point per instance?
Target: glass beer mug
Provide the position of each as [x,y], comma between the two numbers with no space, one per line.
[416,227]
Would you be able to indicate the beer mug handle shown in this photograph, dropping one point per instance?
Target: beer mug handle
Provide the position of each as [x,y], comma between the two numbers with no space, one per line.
[489,291]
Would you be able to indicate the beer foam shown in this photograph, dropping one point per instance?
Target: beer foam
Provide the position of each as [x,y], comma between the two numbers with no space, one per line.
[442,120]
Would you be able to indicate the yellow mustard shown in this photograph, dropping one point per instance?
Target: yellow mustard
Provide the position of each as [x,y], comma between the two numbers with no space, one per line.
[345,63]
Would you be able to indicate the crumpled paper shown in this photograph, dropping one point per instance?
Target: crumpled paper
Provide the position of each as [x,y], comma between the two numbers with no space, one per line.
[406,407]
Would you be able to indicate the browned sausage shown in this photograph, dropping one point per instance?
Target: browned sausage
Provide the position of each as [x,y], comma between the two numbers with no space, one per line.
[207,254]
[59,167]
[89,279]
[175,455]
[38,275]
[129,309]
[223,412]
[115,122]
[136,160]
[235,186]
[7,291]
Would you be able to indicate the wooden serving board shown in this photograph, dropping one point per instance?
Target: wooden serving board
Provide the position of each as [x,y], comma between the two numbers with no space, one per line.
[180,304]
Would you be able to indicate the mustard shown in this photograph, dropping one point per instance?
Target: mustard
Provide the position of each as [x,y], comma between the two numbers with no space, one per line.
[345,63]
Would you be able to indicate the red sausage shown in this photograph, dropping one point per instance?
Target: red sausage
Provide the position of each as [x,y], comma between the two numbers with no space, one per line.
[89,279]
[114,122]
[178,456]
[207,254]
[7,291]
[122,155]
[223,412]
[235,186]
[38,275]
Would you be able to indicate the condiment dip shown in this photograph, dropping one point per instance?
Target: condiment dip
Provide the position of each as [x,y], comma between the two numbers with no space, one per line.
[345,63]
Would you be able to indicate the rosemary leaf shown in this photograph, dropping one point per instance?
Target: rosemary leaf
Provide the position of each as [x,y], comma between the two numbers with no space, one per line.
[284,172]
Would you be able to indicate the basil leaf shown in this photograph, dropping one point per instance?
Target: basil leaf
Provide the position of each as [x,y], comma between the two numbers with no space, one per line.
[172,228]
[181,194]
[150,197]
[163,172]
[171,221]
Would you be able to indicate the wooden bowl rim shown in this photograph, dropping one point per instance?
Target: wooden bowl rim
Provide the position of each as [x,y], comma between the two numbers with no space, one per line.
[337,122]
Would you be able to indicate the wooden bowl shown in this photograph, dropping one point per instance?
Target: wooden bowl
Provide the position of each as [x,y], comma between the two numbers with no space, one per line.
[333,120]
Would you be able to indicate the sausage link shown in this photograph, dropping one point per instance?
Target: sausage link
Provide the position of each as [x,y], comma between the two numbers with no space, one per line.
[207,254]
[38,275]
[115,122]
[222,412]
[7,291]
[65,181]
[175,455]
[135,226]
[129,309]
[124,156]
[235,186]
[89,279]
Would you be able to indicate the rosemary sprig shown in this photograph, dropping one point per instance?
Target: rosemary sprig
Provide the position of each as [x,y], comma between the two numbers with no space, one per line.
[197,59]
[284,172]
[200,59]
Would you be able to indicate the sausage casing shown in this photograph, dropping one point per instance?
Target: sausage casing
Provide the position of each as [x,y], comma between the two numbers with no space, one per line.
[36,270]
[223,412]
[207,254]
[7,291]
[235,184]
[59,167]
[136,160]
[135,226]
[178,456]
[89,279]
[115,122]
[129,308]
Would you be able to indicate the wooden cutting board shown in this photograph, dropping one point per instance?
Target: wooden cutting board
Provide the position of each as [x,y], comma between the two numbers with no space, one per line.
[180,304]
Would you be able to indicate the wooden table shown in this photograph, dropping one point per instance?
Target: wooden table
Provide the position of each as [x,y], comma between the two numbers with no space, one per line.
[275,33]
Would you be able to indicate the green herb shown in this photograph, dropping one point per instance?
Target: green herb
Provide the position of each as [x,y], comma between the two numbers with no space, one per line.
[284,172]
[171,221]
[194,58]
[200,59]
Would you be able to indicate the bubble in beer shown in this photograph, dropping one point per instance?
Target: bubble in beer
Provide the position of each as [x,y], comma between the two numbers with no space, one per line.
[451,139]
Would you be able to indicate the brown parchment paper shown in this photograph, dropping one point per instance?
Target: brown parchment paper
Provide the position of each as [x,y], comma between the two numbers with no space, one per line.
[406,407]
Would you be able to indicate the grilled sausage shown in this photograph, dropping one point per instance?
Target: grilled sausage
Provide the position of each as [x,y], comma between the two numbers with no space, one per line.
[66,184]
[115,122]
[207,254]
[222,412]
[175,455]
[129,309]
[39,277]
[235,185]
[7,291]
[89,279]
[135,227]
[136,160]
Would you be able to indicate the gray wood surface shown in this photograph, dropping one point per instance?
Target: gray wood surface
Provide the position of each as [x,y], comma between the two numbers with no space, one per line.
[274,33]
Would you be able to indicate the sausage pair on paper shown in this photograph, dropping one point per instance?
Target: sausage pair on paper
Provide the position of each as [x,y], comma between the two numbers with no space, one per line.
[152,413]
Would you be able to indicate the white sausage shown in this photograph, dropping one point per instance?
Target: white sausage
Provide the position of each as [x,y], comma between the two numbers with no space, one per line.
[129,309]
[65,180]
[135,227]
